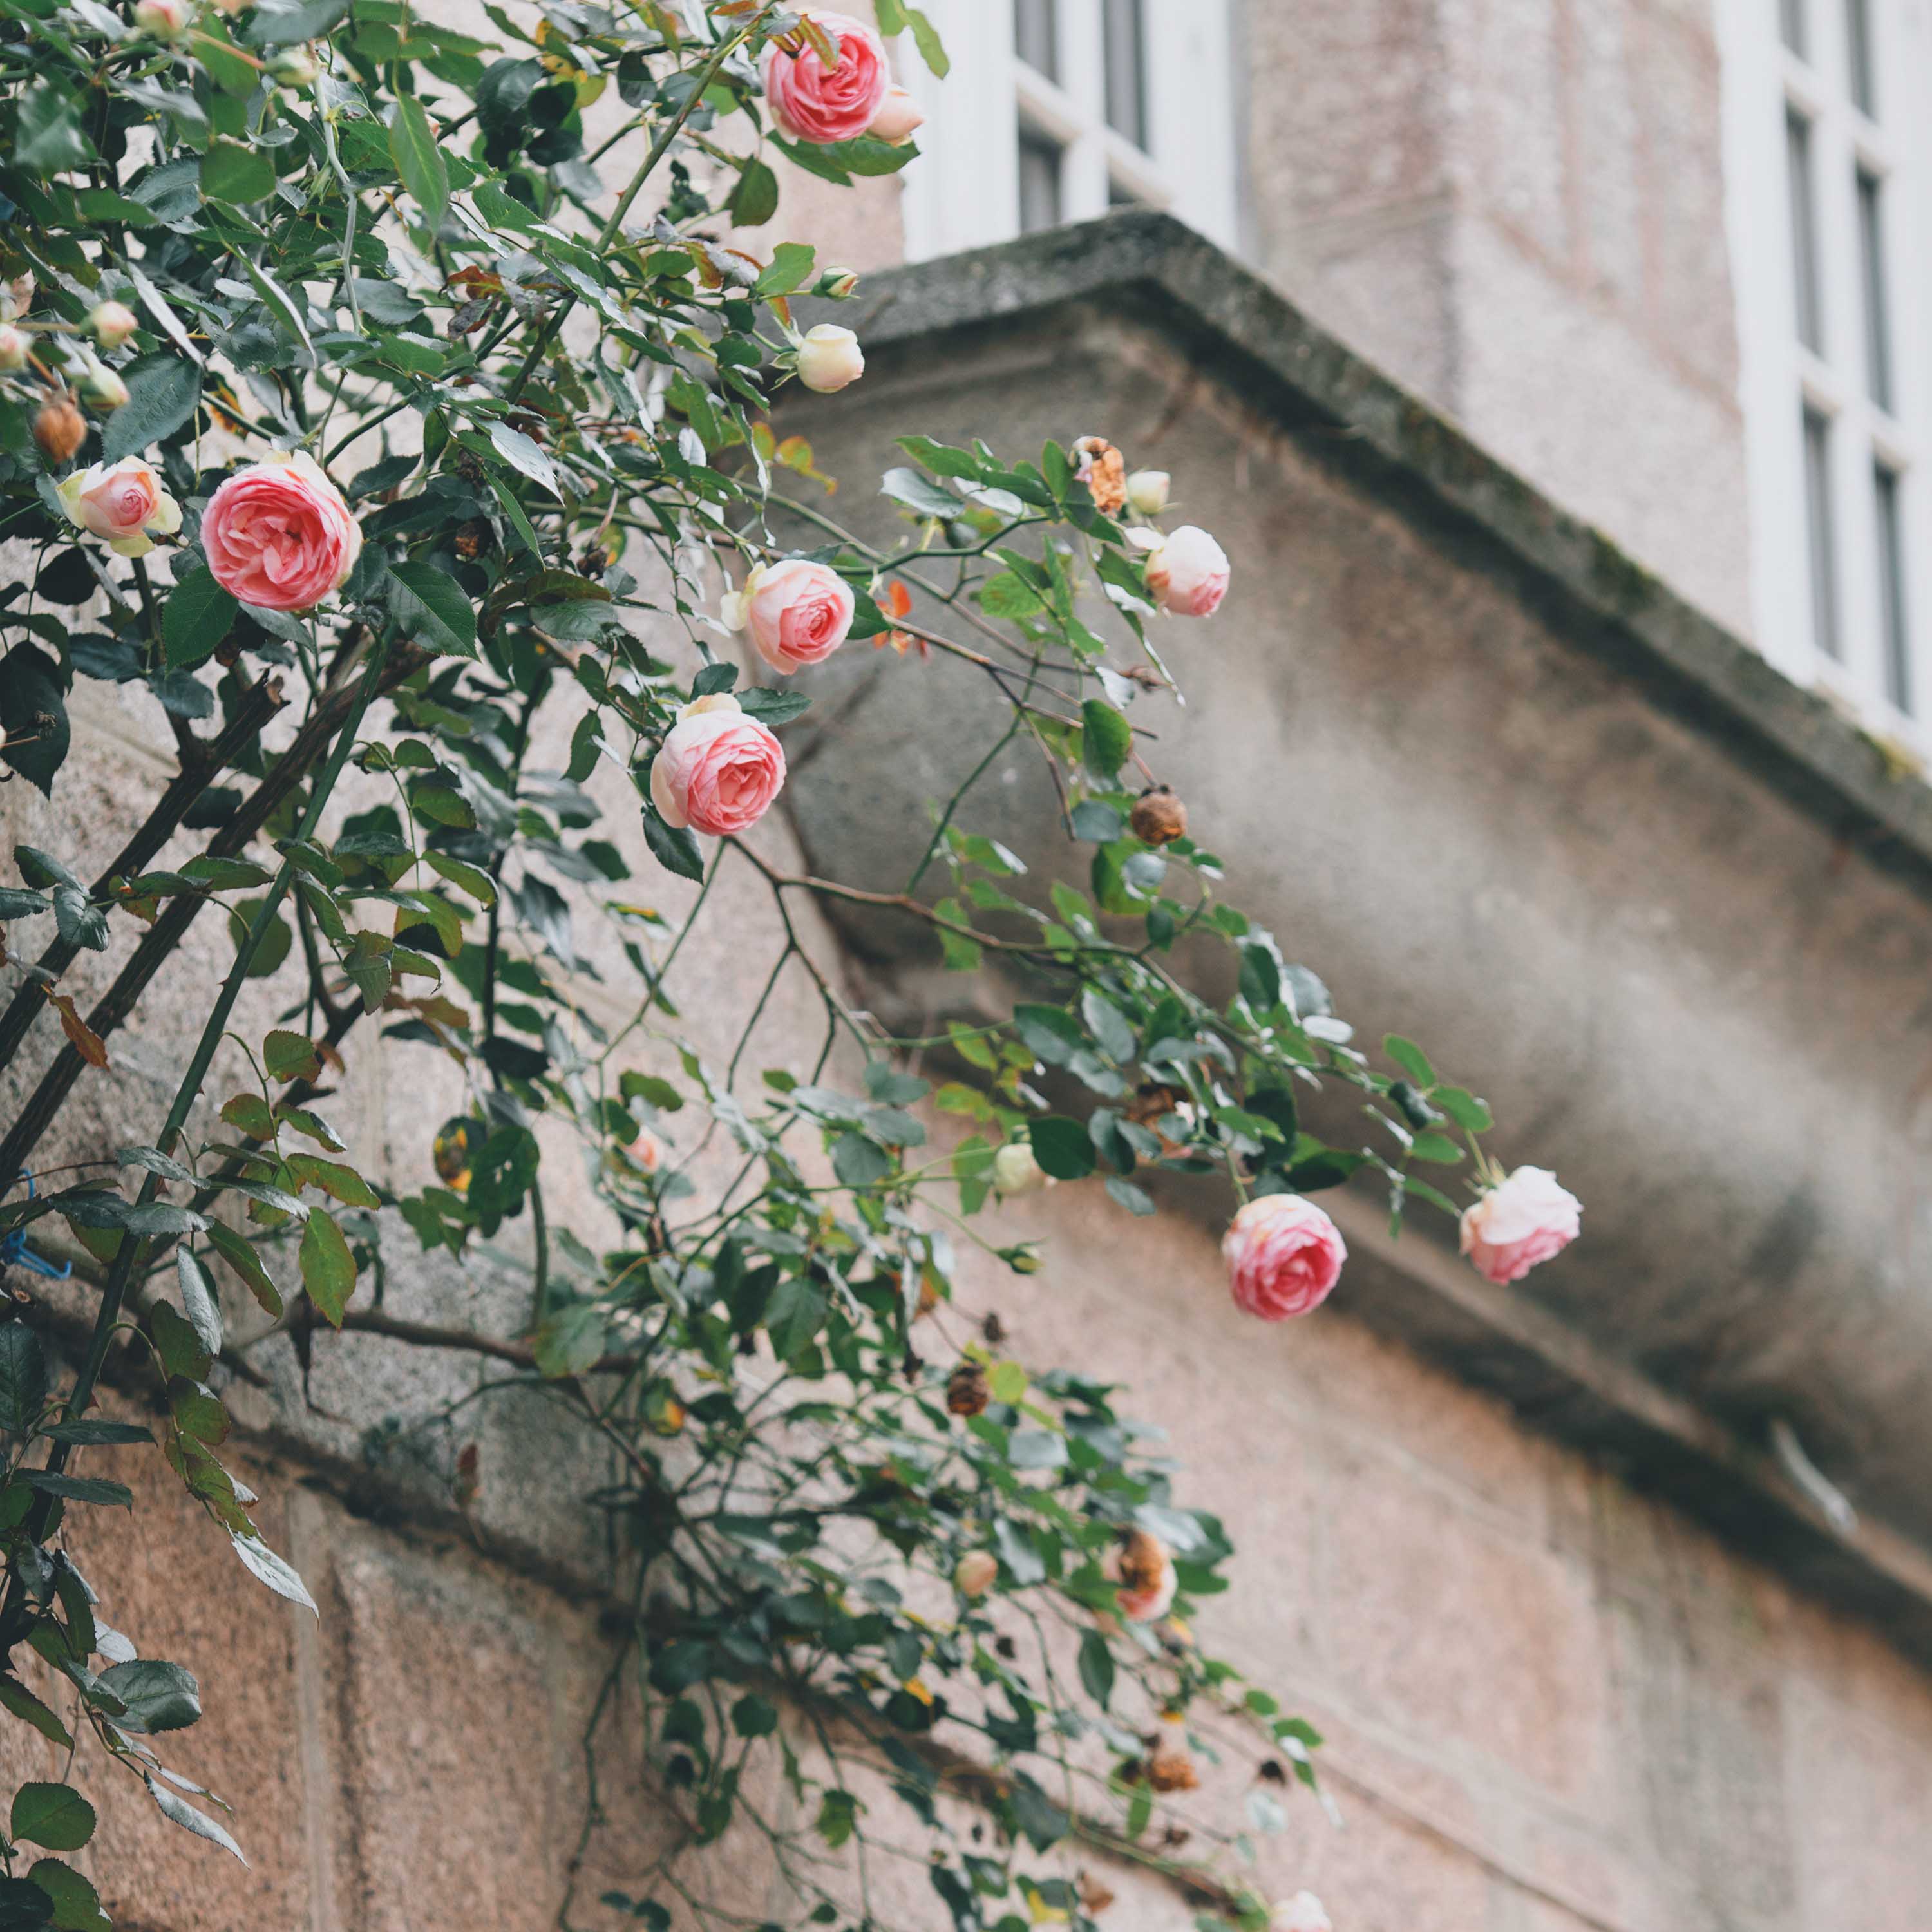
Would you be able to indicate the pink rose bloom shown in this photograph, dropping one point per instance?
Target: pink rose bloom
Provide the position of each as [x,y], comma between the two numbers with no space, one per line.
[798,612]
[1518,1224]
[278,534]
[718,770]
[1284,1255]
[1187,572]
[1303,1912]
[812,103]
[123,502]
[1149,1605]
[899,120]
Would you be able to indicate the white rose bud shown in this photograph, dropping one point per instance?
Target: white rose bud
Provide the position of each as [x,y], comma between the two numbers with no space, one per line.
[898,120]
[13,349]
[978,1571]
[1016,1170]
[16,297]
[1303,1912]
[101,388]
[837,284]
[294,67]
[112,322]
[165,19]
[1147,491]
[830,357]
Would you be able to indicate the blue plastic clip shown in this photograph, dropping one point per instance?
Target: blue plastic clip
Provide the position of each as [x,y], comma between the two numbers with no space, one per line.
[14,1252]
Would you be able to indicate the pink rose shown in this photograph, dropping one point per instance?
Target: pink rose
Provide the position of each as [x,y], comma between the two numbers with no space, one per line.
[278,534]
[1519,1224]
[123,502]
[813,102]
[898,120]
[1303,1912]
[798,612]
[1284,1255]
[1187,573]
[1151,1605]
[718,770]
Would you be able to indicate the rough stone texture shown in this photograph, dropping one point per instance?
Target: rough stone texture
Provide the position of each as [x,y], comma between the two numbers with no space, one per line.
[1516,207]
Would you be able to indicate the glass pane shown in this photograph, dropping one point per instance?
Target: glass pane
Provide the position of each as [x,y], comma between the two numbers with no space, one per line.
[1803,229]
[1823,548]
[1036,35]
[1125,53]
[1121,196]
[1791,24]
[1039,181]
[1878,318]
[1891,591]
[1864,76]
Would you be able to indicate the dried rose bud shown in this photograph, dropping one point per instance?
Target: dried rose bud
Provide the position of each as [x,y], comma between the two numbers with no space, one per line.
[469,539]
[1159,817]
[59,428]
[1104,471]
[1143,1560]
[1152,1102]
[967,1392]
[1170,1768]
[1094,1897]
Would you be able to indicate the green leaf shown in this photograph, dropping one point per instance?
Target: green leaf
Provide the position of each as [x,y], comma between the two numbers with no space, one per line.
[328,1267]
[290,1056]
[240,1254]
[859,1162]
[572,1342]
[75,1902]
[1106,736]
[1464,1109]
[925,38]
[16,1698]
[792,265]
[417,155]
[1410,1058]
[1063,1147]
[47,134]
[232,172]
[917,493]
[774,707]
[198,1302]
[755,200]
[753,1717]
[33,716]
[340,1182]
[23,1377]
[178,1810]
[521,454]
[432,608]
[1008,597]
[285,23]
[197,615]
[266,1566]
[1097,1667]
[55,1816]
[159,1696]
[675,850]
[162,393]
[1261,978]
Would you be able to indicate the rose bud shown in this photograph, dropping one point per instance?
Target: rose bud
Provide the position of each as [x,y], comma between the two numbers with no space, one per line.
[1017,1171]
[1284,1255]
[1147,1594]
[112,322]
[978,1571]
[830,359]
[279,534]
[813,103]
[1519,1224]
[1302,1913]
[1159,817]
[1148,491]
[294,67]
[16,297]
[59,428]
[101,389]
[717,770]
[165,19]
[15,347]
[1170,1768]
[967,1391]
[1104,471]
[1143,1560]
[123,502]
[898,120]
[1187,572]
[798,612]
[837,284]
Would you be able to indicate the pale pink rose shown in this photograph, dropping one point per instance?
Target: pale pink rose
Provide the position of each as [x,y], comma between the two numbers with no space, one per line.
[718,770]
[812,104]
[1519,1224]
[978,1571]
[830,359]
[123,502]
[798,612]
[112,322]
[1303,1912]
[279,534]
[648,1151]
[899,120]
[1149,1605]
[1187,572]
[1284,1255]
[15,346]
[167,19]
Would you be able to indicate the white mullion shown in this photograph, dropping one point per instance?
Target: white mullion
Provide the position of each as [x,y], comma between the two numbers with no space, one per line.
[1083,80]
[963,191]
[1190,56]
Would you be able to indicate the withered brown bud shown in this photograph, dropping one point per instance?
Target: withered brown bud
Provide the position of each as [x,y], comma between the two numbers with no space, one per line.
[1152,1102]
[59,428]
[993,1329]
[1170,1768]
[967,1393]
[468,466]
[1159,817]
[470,538]
[1094,1897]
[1143,1562]
[1104,471]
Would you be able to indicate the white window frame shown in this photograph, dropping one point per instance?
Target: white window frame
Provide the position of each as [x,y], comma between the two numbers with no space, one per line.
[1763,81]
[964,192]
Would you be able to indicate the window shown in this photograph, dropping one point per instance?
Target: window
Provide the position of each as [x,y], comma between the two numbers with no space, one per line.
[1829,166]
[1058,110]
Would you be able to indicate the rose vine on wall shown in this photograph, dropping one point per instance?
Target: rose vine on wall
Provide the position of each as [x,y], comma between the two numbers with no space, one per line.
[351,414]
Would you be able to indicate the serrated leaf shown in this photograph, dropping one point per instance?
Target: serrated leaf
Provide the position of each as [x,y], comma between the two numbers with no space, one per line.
[197,615]
[55,1816]
[417,155]
[198,1299]
[162,393]
[278,1574]
[178,1810]
[328,1267]
[433,609]
[246,1265]
[159,1696]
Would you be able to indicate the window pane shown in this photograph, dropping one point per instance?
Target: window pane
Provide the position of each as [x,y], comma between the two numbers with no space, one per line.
[1791,24]
[1121,196]
[1803,229]
[1864,75]
[1891,591]
[1878,317]
[1822,546]
[1036,35]
[1039,181]
[1125,51]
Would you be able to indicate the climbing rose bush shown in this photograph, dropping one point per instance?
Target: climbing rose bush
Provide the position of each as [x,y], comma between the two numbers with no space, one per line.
[379,400]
